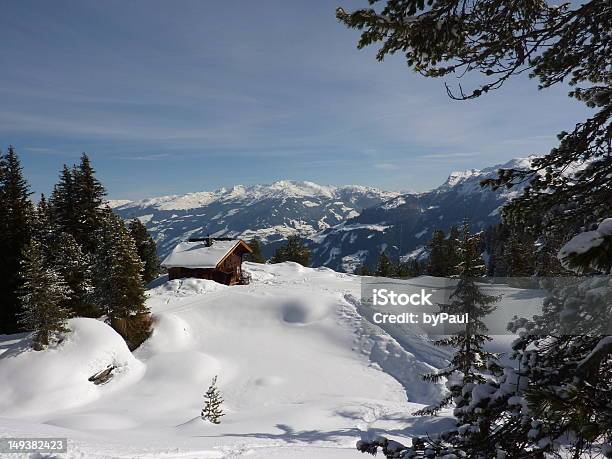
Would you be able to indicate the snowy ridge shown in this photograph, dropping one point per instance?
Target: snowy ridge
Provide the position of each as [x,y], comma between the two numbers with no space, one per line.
[252,194]
[346,226]
[269,212]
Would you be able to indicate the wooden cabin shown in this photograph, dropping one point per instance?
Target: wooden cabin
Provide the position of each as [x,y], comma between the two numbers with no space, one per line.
[208,258]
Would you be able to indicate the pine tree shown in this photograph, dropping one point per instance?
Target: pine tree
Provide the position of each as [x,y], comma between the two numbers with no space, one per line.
[294,250]
[385,267]
[76,203]
[75,267]
[89,196]
[557,44]
[364,270]
[558,395]
[519,255]
[62,203]
[256,256]
[403,270]
[16,211]
[147,250]
[42,292]
[452,250]
[439,263]
[42,228]
[119,288]
[470,359]
[212,407]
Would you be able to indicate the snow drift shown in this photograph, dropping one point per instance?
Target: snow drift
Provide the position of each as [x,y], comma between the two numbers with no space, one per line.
[303,374]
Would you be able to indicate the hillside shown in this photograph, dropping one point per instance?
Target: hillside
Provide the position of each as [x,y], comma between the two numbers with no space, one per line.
[403,225]
[302,372]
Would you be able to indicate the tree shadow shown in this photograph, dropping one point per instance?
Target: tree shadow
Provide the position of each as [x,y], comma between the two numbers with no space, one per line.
[13,345]
[417,426]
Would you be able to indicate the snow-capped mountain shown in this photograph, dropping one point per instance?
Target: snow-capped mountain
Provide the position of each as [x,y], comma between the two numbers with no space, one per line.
[347,226]
[268,212]
[404,224]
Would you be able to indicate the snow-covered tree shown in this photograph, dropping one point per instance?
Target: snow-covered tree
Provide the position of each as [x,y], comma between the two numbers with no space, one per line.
[470,360]
[212,404]
[119,288]
[147,250]
[495,41]
[42,294]
[75,267]
[589,251]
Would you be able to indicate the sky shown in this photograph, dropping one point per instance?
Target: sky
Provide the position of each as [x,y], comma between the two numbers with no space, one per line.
[169,97]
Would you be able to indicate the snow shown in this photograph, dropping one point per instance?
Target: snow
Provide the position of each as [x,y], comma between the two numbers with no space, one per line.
[303,373]
[583,242]
[282,189]
[394,203]
[198,254]
[421,233]
[38,383]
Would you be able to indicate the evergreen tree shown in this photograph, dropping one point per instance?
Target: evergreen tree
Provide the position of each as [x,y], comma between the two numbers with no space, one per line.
[256,256]
[42,292]
[294,250]
[75,267]
[553,398]
[558,44]
[442,253]
[119,288]
[212,407]
[364,270]
[76,203]
[494,239]
[558,395]
[16,211]
[519,255]
[385,267]
[42,228]
[147,250]
[452,250]
[62,204]
[403,270]
[470,359]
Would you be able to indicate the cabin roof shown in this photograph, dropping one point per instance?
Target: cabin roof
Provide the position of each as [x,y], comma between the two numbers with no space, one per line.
[198,254]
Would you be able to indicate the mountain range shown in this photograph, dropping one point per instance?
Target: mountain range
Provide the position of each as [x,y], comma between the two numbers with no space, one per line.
[346,226]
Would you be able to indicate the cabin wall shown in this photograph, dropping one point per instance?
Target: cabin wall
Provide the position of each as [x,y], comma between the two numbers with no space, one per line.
[198,273]
[229,272]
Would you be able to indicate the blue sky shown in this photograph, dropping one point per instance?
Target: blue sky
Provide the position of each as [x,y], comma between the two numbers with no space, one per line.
[171,97]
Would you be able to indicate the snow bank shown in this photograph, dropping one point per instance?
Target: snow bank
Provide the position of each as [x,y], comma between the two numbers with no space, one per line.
[38,383]
[185,287]
[302,372]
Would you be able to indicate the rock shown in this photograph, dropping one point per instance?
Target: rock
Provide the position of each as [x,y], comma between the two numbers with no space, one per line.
[102,377]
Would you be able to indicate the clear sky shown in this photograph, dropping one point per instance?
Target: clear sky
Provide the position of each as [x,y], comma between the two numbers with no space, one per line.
[169,97]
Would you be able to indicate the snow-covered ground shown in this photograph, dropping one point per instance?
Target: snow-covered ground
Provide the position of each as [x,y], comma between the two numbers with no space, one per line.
[302,373]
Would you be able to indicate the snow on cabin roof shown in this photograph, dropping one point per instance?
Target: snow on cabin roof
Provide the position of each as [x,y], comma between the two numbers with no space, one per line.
[198,255]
